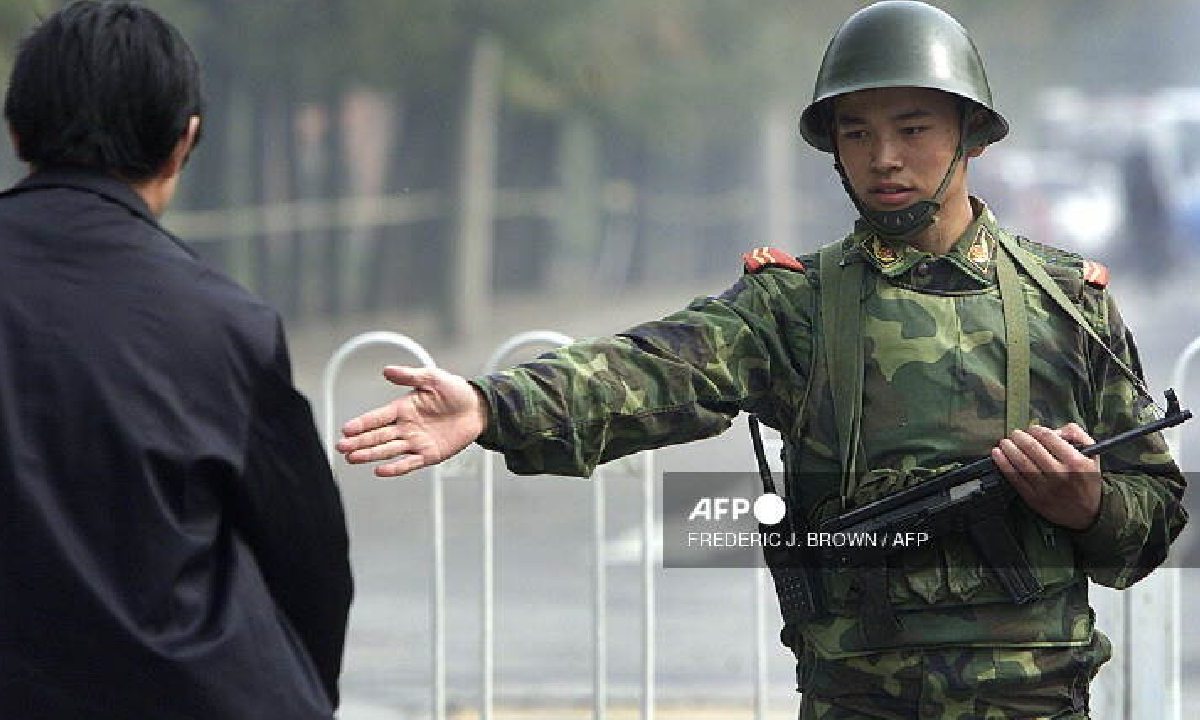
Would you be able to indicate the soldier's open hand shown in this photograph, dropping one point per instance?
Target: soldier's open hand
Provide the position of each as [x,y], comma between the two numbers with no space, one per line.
[1047,470]
[442,415]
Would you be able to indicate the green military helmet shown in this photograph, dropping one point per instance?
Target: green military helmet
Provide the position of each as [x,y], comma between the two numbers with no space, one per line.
[900,43]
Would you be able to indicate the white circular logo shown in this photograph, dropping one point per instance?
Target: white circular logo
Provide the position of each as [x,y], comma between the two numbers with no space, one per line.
[769,509]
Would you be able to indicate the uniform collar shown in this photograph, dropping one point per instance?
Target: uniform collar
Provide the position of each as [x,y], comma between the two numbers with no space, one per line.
[973,253]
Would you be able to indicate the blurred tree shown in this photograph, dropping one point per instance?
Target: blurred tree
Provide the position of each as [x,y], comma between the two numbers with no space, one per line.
[673,72]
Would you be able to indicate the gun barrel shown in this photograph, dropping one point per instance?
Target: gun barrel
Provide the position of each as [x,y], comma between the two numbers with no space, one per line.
[1178,417]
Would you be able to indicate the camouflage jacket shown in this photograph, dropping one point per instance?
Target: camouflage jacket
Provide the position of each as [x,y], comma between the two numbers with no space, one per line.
[933,396]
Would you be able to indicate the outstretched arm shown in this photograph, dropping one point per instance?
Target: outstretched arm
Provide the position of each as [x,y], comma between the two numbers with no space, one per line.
[442,415]
[674,380]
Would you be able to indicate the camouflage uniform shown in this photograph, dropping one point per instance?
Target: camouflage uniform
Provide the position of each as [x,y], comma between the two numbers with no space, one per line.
[933,397]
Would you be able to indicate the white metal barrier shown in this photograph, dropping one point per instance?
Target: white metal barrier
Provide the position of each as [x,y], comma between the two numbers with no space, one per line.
[549,338]
[525,340]
[600,614]
[487,654]
[648,641]
[438,604]
[1174,696]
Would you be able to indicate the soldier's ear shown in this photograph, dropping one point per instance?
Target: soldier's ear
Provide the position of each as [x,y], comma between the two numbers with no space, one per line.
[977,124]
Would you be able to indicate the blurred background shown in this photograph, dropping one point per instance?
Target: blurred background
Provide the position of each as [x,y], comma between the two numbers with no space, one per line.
[461,170]
[543,147]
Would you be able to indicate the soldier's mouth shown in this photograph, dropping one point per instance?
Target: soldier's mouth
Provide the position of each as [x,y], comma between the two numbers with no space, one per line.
[894,195]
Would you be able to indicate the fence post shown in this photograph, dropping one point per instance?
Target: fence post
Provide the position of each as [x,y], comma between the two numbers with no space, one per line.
[599,615]
[648,626]
[1165,587]
[437,611]
[772,447]
[1110,690]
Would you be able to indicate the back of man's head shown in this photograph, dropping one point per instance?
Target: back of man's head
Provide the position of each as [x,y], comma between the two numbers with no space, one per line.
[105,86]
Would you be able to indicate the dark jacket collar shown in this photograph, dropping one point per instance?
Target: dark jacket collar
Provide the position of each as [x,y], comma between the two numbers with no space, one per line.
[107,187]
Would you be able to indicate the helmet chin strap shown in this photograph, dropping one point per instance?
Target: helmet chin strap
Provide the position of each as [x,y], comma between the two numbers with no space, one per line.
[906,221]
[914,218]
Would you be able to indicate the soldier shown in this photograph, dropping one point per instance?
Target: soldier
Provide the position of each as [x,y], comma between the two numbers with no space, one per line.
[914,344]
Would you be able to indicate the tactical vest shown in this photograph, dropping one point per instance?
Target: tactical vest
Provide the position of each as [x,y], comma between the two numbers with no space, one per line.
[941,594]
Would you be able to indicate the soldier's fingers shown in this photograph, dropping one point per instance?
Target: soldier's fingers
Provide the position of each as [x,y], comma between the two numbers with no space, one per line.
[368,439]
[386,451]
[1075,435]
[1020,462]
[1065,444]
[1033,449]
[403,466]
[371,420]
[1058,446]
[408,376]
[1015,478]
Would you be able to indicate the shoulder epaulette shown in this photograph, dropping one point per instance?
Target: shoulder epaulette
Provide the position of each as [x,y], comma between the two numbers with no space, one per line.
[1050,255]
[765,257]
[1095,274]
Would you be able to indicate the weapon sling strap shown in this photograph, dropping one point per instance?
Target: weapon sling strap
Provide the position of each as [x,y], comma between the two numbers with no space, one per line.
[1016,345]
[841,335]
[1034,270]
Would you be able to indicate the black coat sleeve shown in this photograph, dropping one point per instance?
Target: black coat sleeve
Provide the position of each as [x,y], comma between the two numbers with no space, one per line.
[288,509]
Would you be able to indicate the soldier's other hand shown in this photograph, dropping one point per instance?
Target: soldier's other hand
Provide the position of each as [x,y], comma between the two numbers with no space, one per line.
[442,415]
[1047,470]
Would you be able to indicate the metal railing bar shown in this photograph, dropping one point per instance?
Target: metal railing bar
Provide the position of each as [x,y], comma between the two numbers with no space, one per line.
[487,651]
[438,601]
[648,562]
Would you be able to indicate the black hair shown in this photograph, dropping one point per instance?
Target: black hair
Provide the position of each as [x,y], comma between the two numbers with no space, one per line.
[105,86]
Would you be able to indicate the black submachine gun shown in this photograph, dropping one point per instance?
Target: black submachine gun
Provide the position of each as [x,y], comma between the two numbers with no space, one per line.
[973,498]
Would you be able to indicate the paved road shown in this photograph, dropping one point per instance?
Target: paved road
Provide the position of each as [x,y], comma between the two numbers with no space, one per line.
[543,553]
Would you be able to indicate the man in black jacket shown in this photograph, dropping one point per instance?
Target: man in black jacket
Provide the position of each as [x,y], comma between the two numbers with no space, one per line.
[172,543]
